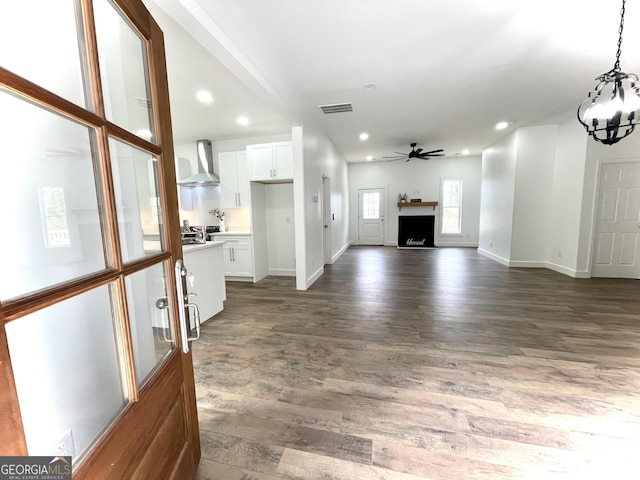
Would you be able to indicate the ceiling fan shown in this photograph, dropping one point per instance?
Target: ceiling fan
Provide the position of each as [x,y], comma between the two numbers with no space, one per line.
[415,154]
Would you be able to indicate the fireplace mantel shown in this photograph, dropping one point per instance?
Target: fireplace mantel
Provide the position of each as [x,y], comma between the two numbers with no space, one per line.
[417,204]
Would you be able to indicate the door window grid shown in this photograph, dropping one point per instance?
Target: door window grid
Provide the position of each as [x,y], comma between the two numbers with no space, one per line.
[371,205]
[451,206]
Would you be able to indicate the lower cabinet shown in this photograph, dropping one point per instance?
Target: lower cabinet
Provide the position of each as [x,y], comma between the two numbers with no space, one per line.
[205,278]
[238,257]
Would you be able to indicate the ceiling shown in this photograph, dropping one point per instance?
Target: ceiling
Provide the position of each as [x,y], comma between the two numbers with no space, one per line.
[444,72]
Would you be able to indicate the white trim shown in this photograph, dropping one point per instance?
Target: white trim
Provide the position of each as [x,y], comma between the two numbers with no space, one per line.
[340,252]
[282,272]
[314,277]
[442,206]
[567,271]
[527,264]
[458,244]
[494,257]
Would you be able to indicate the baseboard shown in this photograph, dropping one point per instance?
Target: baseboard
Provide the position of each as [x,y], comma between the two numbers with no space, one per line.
[549,265]
[311,280]
[239,279]
[493,257]
[282,272]
[458,244]
[567,271]
[527,264]
[340,252]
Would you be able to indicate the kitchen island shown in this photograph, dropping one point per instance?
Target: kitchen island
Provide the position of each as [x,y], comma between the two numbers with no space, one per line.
[205,265]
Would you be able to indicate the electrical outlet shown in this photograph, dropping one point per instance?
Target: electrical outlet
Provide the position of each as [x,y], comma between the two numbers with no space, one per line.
[491,244]
[65,446]
[559,254]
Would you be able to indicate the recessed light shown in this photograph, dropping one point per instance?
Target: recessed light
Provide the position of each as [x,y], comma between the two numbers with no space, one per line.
[364,136]
[243,121]
[465,151]
[369,86]
[204,96]
[369,157]
[502,125]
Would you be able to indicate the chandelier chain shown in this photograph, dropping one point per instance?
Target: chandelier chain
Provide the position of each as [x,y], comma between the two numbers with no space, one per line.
[616,66]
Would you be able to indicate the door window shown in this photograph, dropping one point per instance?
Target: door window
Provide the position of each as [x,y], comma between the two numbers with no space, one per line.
[371,205]
[67,373]
[55,63]
[125,79]
[49,197]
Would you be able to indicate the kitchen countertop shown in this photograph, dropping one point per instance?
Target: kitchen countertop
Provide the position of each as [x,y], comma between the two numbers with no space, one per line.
[216,234]
[200,246]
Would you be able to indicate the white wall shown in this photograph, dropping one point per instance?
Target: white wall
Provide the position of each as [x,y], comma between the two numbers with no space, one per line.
[566,200]
[498,192]
[280,229]
[536,151]
[314,156]
[418,179]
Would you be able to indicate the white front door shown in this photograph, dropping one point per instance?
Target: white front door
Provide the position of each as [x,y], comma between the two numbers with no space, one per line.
[617,237]
[371,216]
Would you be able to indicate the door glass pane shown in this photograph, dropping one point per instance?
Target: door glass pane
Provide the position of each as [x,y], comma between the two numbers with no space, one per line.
[123,68]
[66,371]
[371,206]
[146,290]
[39,41]
[135,178]
[50,213]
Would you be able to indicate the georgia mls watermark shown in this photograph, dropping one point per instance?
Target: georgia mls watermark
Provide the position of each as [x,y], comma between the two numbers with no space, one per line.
[35,468]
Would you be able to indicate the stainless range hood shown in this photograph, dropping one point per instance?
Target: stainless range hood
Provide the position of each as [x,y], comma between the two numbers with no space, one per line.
[205,175]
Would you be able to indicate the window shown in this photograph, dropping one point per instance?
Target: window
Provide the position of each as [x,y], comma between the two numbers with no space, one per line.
[54,215]
[452,206]
[371,205]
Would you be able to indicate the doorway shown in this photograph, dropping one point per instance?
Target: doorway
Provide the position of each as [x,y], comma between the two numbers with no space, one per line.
[617,229]
[371,216]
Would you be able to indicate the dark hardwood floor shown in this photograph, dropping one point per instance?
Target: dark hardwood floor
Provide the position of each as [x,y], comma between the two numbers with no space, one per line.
[437,364]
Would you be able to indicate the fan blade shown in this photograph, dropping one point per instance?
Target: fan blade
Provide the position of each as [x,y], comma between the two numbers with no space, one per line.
[418,151]
[400,153]
[396,156]
[430,155]
[433,151]
[394,159]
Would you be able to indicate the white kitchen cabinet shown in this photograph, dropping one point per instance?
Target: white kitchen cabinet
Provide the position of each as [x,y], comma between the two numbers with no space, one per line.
[238,257]
[234,180]
[205,267]
[270,161]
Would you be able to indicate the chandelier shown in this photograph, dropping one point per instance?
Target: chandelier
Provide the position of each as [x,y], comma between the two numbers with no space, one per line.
[612,109]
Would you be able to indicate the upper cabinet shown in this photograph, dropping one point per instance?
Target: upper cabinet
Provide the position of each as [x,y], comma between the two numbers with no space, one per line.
[270,162]
[234,180]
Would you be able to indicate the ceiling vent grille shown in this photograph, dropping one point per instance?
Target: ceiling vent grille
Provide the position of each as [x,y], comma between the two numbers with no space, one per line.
[336,108]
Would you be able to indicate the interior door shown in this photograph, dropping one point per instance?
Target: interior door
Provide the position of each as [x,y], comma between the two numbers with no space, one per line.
[371,216]
[92,357]
[326,218]
[617,237]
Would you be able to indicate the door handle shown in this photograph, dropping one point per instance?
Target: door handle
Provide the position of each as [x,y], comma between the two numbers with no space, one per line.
[196,317]
[239,202]
[183,307]
[162,304]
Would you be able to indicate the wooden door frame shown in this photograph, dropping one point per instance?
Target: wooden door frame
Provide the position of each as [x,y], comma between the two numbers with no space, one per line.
[111,455]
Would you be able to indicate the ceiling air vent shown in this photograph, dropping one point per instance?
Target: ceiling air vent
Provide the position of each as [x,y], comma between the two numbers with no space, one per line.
[336,108]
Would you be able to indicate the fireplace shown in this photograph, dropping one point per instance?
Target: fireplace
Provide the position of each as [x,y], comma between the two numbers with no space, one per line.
[416,231]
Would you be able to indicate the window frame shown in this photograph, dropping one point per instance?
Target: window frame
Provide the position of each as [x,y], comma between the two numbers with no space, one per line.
[443,207]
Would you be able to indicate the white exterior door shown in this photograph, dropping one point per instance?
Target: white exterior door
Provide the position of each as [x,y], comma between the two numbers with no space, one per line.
[617,236]
[371,216]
